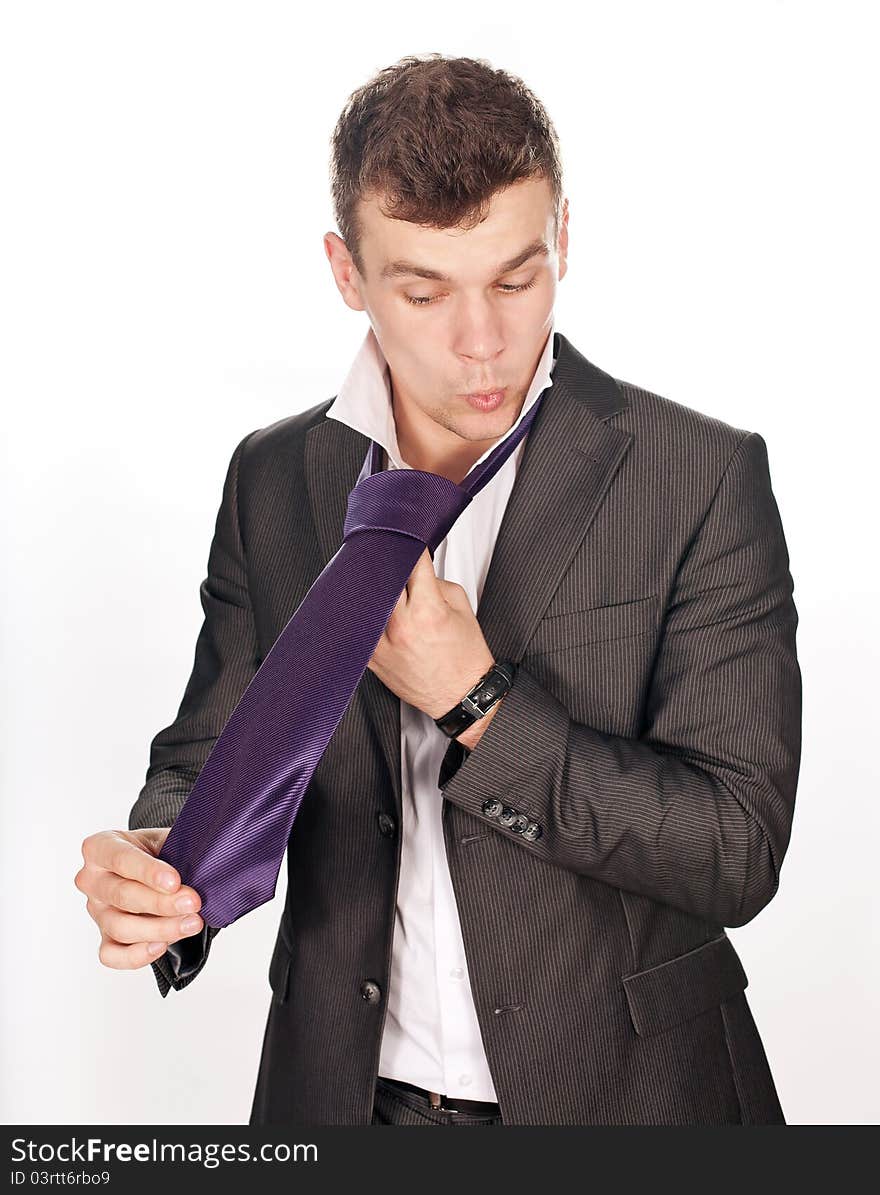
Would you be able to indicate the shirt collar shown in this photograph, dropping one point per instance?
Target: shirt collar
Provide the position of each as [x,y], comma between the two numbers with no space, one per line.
[363,401]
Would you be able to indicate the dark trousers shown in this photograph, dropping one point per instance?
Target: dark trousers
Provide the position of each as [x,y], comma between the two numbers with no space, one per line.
[392,1106]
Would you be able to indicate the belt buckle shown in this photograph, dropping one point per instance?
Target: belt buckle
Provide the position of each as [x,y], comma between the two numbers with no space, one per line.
[436,1100]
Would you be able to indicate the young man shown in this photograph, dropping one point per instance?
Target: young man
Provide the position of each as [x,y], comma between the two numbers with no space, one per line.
[523,923]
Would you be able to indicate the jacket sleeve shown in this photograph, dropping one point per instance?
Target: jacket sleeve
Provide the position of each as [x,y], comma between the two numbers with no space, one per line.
[226,658]
[696,812]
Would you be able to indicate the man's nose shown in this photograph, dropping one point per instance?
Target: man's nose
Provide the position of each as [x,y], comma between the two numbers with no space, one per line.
[479,334]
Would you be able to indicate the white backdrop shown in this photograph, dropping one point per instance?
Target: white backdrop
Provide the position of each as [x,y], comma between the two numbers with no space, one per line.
[165,291]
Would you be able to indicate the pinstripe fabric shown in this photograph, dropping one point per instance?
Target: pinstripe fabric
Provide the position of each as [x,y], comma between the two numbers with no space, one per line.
[653,732]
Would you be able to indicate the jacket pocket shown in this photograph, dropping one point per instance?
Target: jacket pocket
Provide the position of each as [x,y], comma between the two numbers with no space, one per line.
[595,624]
[684,986]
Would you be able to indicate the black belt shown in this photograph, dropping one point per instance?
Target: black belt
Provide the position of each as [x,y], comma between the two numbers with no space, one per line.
[445,1103]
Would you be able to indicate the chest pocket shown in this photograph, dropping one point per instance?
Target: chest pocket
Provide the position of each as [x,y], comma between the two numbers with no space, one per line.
[595,624]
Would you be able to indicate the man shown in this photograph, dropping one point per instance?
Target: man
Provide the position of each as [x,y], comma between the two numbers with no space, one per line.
[524,923]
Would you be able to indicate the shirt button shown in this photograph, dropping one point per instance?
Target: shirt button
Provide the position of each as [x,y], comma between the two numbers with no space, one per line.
[465,1080]
[457,973]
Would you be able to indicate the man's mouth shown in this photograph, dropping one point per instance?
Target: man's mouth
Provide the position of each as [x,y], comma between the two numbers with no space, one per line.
[486,400]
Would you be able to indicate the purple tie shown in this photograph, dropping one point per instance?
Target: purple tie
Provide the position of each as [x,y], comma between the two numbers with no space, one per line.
[229,839]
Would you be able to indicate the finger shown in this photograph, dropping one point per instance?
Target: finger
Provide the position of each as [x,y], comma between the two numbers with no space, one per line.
[413,580]
[152,840]
[115,851]
[454,595]
[128,928]
[400,604]
[423,574]
[94,906]
[134,897]
[127,958]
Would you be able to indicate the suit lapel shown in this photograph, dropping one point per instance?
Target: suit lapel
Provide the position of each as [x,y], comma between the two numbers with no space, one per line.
[570,457]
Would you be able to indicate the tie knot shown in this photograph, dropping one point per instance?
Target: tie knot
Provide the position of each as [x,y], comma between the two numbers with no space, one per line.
[410,502]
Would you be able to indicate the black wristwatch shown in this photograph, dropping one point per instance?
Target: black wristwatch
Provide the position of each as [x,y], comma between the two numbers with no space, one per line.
[477,702]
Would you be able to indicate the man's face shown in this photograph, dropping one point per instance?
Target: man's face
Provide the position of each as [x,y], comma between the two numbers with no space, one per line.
[480,327]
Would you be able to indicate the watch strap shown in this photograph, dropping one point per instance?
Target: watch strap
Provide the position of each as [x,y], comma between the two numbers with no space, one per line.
[479,699]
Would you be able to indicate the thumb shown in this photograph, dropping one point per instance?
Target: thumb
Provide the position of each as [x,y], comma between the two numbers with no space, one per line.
[423,574]
[150,840]
[455,595]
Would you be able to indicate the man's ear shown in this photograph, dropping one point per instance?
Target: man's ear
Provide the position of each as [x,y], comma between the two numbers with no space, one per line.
[562,241]
[345,273]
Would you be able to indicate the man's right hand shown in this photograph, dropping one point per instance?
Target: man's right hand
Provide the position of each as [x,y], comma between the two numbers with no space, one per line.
[136,899]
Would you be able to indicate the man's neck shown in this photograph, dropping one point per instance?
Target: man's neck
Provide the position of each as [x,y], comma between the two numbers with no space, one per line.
[452,459]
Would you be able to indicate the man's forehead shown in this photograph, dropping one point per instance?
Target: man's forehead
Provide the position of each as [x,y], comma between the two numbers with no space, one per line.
[517,224]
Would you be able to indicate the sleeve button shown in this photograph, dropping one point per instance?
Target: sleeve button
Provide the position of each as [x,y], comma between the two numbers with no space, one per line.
[492,807]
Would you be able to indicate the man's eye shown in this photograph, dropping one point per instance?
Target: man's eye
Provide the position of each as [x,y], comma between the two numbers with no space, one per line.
[505,288]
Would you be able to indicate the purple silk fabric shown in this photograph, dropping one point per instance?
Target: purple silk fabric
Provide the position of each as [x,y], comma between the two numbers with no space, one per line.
[228,840]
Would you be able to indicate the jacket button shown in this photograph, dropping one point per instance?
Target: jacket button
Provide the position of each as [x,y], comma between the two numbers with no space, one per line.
[371,992]
[532,832]
[492,807]
[507,816]
[386,825]
[520,823]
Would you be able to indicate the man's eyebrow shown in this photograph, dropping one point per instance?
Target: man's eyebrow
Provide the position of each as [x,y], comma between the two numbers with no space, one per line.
[398,269]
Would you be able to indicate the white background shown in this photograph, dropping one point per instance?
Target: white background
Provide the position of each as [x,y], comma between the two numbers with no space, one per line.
[165,291]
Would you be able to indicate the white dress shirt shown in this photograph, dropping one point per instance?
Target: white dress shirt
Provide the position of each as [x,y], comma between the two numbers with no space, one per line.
[431,1034]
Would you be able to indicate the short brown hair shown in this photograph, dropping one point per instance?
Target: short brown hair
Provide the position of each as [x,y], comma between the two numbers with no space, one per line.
[433,138]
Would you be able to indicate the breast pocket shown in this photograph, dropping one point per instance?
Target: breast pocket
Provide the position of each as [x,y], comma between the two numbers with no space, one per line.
[595,624]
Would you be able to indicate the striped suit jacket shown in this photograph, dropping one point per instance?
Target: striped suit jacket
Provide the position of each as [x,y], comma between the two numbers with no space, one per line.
[641,580]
